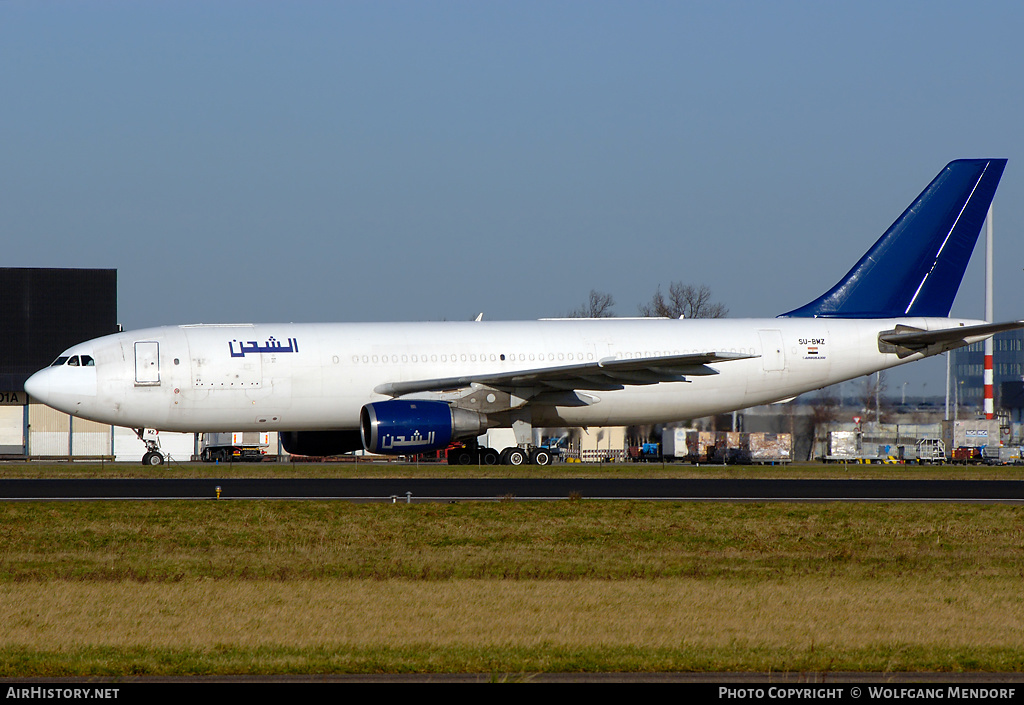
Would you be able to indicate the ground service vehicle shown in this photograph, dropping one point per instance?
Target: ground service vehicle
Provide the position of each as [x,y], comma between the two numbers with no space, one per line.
[239,446]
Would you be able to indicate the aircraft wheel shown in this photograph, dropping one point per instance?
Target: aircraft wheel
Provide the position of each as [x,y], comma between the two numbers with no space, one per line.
[488,456]
[152,458]
[464,457]
[515,457]
[540,456]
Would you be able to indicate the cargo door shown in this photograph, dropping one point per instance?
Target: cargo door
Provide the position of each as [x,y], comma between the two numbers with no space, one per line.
[147,364]
[773,357]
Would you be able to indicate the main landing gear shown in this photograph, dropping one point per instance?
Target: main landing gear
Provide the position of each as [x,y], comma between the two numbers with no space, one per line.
[523,456]
[523,453]
[472,454]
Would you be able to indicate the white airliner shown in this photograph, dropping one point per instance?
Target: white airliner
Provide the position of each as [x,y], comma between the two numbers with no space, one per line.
[405,388]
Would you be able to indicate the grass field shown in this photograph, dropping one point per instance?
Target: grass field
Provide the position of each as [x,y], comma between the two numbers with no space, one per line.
[394,469]
[119,588]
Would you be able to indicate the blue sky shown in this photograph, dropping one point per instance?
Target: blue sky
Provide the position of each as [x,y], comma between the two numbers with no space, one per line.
[336,161]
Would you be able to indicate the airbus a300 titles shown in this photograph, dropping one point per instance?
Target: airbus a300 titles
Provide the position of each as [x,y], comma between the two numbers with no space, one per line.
[405,388]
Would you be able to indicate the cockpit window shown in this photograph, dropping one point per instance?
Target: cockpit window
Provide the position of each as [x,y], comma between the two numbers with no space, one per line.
[74,361]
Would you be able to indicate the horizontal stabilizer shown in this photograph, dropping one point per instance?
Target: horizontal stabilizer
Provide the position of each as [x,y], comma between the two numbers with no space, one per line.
[914,340]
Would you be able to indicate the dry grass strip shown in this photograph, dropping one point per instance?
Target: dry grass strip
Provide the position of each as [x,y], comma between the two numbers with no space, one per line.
[795,613]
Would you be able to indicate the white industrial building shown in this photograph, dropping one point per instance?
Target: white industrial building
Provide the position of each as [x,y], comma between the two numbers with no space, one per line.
[34,431]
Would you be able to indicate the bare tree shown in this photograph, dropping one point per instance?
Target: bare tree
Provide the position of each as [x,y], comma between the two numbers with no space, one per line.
[599,305]
[873,400]
[684,301]
[825,410]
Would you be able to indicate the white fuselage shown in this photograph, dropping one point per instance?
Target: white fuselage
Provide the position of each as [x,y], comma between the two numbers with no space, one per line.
[318,376]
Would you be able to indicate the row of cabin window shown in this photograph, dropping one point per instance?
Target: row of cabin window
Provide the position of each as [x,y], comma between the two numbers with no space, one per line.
[523,357]
[471,357]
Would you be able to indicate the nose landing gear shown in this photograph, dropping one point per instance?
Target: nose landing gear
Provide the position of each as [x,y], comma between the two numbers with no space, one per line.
[153,455]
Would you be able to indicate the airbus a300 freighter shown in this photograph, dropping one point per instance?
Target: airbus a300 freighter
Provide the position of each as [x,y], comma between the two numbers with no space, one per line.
[406,388]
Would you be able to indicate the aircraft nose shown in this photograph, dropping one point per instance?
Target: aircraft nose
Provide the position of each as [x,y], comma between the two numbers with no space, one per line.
[63,388]
[38,385]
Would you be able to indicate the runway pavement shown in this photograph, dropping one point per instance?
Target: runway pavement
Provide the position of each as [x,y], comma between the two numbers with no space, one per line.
[491,489]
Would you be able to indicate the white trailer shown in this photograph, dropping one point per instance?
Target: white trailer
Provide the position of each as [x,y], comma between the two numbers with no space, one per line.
[673,443]
[247,446]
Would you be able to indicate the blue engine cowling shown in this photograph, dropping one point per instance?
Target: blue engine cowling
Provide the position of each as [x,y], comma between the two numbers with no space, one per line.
[407,427]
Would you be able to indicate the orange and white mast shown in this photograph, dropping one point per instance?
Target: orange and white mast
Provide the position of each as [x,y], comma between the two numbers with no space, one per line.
[990,410]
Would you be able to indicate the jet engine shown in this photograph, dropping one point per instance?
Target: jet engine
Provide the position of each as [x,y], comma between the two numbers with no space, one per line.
[401,426]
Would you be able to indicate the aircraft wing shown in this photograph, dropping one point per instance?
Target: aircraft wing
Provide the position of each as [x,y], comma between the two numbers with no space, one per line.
[910,340]
[603,375]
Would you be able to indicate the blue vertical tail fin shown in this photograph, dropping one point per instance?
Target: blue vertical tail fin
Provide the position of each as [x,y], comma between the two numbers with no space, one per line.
[916,267]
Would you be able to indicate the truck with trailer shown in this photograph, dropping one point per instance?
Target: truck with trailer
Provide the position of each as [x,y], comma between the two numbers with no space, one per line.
[726,447]
[975,441]
[645,453]
[849,447]
[1002,455]
[239,446]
